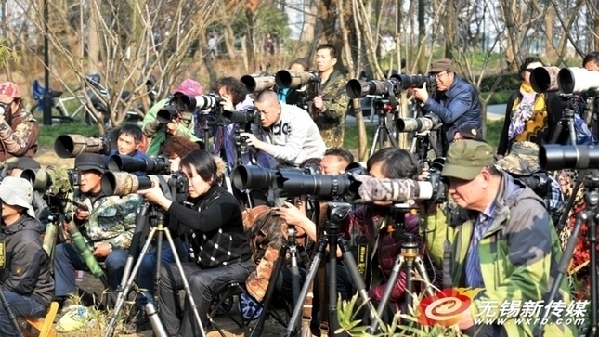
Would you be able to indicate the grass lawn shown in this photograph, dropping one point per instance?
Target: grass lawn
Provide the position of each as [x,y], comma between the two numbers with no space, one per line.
[48,134]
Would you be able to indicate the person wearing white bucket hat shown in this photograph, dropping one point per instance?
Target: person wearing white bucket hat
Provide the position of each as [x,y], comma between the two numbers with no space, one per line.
[26,280]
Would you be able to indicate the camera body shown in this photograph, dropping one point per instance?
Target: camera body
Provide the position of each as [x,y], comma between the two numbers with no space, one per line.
[539,182]
[155,165]
[247,116]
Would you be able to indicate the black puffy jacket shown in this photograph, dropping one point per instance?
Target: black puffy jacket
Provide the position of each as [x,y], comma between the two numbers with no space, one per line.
[27,269]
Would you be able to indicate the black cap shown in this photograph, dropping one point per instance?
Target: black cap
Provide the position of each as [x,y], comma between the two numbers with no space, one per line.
[470,132]
[90,161]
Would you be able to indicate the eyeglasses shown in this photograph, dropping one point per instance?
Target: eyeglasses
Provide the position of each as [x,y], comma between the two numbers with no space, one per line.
[440,74]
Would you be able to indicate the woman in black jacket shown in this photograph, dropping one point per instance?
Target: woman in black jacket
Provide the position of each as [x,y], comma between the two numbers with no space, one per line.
[26,280]
[219,245]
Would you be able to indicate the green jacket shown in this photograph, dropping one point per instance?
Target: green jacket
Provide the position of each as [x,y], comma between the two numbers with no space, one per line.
[518,254]
[152,129]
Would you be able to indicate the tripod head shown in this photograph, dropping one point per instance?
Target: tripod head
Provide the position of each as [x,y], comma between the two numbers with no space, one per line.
[336,213]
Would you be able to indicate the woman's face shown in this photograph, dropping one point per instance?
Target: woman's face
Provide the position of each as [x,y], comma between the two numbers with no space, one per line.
[197,185]
[376,171]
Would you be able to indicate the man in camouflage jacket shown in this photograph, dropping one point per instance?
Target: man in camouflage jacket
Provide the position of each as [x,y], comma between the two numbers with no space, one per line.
[502,242]
[106,222]
[18,128]
[329,107]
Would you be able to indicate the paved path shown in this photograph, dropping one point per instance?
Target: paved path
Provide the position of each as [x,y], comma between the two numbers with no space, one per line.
[494,112]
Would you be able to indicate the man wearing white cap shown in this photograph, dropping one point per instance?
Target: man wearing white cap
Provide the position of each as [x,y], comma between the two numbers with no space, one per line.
[26,280]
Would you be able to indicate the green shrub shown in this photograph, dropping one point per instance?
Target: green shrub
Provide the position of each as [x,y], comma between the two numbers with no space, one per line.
[507,82]
[499,97]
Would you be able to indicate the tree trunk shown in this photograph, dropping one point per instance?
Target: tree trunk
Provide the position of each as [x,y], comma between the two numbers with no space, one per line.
[250,45]
[549,23]
[93,43]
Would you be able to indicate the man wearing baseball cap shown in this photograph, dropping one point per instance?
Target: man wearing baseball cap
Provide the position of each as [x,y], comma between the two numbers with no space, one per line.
[180,126]
[107,224]
[18,128]
[455,102]
[503,241]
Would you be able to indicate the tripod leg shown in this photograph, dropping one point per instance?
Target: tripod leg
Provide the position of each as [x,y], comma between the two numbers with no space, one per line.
[392,139]
[185,283]
[399,261]
[592,233]
[297,309]
[141,222]
[572,133]
[121,296]
[428,286]
[375,139]
[157,274]
[348,258]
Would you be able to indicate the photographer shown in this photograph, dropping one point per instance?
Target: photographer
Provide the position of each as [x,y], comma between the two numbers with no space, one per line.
[218,242]
[26,280]
[530,116]
[127,144]
[18,128]
[291,135]
[181,126]
[455,101]
[328,109]
[235,97]
[40,207]
[106,222]
[502,240]
[290,96]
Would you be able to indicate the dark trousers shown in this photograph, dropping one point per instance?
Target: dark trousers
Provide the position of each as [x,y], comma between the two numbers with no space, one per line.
[67,260]
[21,306]
[204,284]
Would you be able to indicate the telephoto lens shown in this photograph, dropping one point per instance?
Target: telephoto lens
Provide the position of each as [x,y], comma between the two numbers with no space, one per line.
[577,157]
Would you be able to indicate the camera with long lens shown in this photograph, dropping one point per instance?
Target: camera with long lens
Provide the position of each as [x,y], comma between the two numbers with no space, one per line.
[295,79]
[167,114]
[240,116]
[293,182]
[544,79]
[192,103]
[577,80]
[539,182]
[428,122]
[390,87]
[75,180]
[70,146]
[575,157]
[154,165]
[123,183]
[258,82]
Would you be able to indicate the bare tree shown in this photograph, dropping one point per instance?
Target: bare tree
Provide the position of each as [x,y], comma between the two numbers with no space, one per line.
[135,39]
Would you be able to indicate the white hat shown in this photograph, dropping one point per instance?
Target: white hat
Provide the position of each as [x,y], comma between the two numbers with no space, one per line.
[17,191]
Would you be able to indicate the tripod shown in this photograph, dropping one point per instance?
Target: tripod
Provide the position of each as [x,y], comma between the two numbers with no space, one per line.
[410,259]
[382,107]
[590,215]
[422,142]
[159,229]
[567,121]
[337,212]
[241,148]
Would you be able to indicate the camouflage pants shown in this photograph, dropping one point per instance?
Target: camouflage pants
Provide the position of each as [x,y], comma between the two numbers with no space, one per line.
[333,137]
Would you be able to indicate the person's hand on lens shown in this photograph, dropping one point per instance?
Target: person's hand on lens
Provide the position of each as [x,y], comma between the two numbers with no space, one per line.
[155,195]
[291,214]
[227,104]
[420,93]
[171,128]
[251,140]
[318,103]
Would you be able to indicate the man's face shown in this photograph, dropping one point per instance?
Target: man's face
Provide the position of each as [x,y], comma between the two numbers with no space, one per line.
[126,145]
[591,66]
[332,165]
[444,79]
[90,181]
[324,61]
[468,193]
[270,112]
[8,210]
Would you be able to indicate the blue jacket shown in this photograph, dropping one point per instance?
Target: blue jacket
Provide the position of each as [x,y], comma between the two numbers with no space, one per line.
[456,107]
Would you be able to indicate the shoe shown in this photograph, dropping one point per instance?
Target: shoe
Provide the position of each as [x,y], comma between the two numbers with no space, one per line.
[139,323]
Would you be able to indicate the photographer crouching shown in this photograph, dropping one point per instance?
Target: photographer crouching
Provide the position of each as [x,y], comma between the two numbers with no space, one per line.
[501,237]
[106,222]
[217,239]
[290,135]
[27,284]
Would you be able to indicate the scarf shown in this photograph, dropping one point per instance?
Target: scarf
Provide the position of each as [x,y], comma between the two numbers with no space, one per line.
[523,111]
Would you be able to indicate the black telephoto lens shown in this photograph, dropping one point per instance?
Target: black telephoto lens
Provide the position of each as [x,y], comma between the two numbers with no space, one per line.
[557,157]
[252,176]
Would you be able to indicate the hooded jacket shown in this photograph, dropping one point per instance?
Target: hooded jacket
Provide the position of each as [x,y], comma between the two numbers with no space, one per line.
[294,138]
[27,269]
[519,255]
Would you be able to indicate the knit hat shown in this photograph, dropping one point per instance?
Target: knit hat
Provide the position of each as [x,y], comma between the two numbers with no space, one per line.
[9,91]
[523,159]
[17,191]
[441,65]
